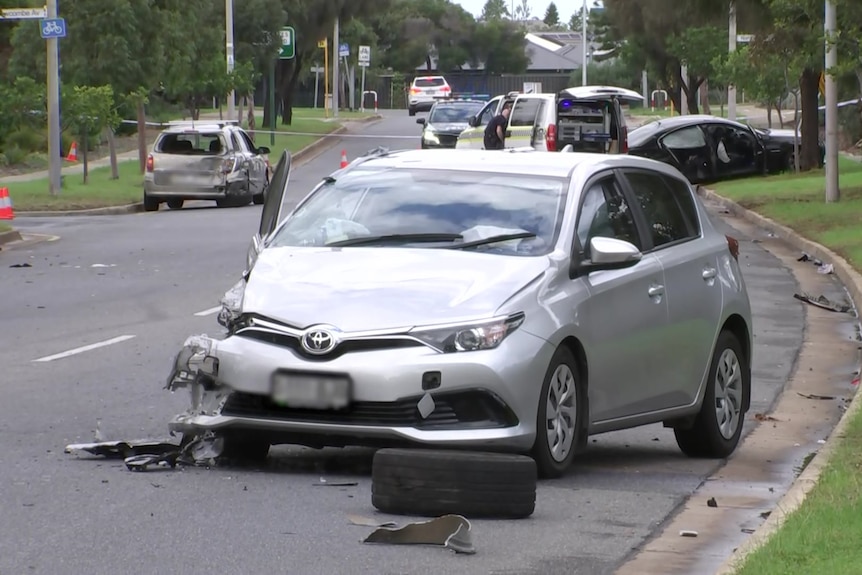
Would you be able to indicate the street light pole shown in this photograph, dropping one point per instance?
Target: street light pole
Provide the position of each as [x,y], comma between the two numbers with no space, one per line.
[830,25]
[53,86]
[228,35]
[336,80]
[731,48]
[584,44]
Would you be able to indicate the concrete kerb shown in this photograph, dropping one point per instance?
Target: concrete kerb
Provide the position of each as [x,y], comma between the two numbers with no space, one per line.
[9,237]
[806,481]
[315,146]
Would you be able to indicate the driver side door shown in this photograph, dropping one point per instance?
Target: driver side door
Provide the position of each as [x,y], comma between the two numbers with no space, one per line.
[273,205]
[473,137]
[691,152]
[626,312]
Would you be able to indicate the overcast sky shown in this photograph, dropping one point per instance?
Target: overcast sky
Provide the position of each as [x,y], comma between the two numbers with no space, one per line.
[565,7]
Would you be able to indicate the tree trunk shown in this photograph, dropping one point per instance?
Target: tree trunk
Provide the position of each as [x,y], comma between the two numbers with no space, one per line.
[691,95]
[288,87]
[251,118]
[780,113]
[769,115]
[704,98]
[142,136]
[267,119]
[809,84]
[239,110]
[112,151]
[84,145]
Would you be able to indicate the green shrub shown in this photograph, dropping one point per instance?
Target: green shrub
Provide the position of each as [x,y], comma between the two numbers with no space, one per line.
[27,140]
[14,155]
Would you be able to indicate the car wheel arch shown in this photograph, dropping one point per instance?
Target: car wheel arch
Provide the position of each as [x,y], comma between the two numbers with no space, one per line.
[737,326]
[574,345]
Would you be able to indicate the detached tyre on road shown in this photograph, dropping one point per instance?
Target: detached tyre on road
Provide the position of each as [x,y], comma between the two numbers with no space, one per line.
[431,483]
[717,427]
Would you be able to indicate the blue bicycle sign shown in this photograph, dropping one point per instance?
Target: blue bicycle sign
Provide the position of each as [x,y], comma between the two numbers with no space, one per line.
[53,28]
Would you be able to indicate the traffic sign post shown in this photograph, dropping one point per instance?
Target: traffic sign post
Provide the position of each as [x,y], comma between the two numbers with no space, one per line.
[288,43]
[53,28]
[364,61]
[343,50]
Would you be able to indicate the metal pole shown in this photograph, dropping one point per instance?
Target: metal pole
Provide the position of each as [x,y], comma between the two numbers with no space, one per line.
[272,106]
[362,92]
[683,99]
[53,86]
[326,95]
[584,45]
[831,28]
[316,83]
[645,87]
[731,48]
[228,34]
[336,79]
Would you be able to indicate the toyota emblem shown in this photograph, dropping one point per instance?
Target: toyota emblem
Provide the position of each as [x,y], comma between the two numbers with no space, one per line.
[318,341]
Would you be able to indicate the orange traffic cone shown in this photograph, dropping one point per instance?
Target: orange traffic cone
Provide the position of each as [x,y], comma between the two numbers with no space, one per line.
[344,161]
[73,153]
[6,212]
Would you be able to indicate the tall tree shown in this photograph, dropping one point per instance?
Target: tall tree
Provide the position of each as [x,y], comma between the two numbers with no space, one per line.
[495,10]
[501,47]
[523,11]
[552,16]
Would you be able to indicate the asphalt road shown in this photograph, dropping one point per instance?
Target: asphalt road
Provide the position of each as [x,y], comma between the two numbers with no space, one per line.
[139,285]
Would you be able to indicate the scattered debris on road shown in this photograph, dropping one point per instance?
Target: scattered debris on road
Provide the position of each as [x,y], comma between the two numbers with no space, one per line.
[764,417]
[323,482]
[687,533]
[139,455]
[368,522]
[712,502]
[24,265]
[815,396]
[450,531]
[823,302]
[822,268]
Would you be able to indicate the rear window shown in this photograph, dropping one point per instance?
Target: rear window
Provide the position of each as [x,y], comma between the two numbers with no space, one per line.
[191,143]
[429,82]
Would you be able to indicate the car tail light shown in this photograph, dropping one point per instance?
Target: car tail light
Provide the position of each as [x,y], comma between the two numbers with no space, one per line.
[150,163]
[415,90]
[228,165]
[551,138]
[446,88]
[624,141]
[733,246]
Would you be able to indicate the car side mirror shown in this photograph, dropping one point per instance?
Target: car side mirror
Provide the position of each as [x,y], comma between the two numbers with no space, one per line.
[473,121]
[263,150]
[609,254]
[420,121]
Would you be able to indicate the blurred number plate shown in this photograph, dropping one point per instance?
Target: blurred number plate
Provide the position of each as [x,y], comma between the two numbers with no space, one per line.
[310,391]
[185,179]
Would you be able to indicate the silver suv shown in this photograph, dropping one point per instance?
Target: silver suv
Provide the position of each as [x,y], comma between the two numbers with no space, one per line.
[205,160]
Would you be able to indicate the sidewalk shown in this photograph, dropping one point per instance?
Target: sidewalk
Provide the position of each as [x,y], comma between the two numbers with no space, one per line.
[78,168]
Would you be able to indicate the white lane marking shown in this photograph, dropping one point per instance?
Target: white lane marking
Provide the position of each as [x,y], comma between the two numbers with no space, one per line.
[209,311]
[82,349]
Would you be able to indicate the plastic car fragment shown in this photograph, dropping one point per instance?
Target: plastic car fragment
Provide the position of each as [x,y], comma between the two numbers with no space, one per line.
[823,302]
[450,531]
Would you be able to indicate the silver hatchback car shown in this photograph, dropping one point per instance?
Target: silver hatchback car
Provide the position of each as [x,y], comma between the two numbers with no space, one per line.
[493,300]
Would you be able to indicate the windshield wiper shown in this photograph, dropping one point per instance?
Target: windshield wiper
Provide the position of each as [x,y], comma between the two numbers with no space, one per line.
[396,238]
[493,240]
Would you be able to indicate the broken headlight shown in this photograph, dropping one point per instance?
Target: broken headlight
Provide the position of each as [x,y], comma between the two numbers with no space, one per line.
[231,304]
[472,336]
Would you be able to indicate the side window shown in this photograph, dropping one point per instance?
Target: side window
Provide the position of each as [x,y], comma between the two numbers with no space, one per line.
[685,139]
[682,191]
[524,112]
[488,113]
[247,141]
[237,145]
[665,218]
[605,213]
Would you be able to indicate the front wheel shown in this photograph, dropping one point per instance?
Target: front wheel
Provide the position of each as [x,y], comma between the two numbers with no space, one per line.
[559,424]
[717,428]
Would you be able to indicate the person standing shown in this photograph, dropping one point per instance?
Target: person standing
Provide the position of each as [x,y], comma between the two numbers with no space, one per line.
[495,131]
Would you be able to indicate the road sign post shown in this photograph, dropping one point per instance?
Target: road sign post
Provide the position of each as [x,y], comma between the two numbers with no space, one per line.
[335,70]
[364,61]
[52,29]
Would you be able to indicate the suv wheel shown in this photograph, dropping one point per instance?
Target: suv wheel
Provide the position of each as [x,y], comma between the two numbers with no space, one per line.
[175,204]
[150,204]
[411,111]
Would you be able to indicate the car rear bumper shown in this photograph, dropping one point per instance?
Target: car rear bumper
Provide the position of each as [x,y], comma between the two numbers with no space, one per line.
[421,105]
[214,192]
[484,399]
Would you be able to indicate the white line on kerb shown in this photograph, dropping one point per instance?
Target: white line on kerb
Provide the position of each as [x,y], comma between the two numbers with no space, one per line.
[209,311]
[82,349]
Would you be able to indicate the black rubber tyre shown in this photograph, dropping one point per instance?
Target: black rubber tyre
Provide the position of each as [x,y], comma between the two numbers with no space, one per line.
[411,112]
[258,199]
[244,448]
[704,438]
[150,204]
[175,204]
[431,483]
[548,465]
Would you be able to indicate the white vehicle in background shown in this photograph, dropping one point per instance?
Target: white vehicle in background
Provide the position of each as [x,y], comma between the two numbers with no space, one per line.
[424,91]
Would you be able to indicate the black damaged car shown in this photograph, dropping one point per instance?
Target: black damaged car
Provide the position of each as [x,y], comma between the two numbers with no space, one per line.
[708,148]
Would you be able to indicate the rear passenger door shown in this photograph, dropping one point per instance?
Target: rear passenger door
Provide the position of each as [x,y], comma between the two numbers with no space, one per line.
[522,121]
[694,298]
[257,164]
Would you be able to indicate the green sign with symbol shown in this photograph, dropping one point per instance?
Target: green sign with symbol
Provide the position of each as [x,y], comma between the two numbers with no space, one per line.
[288,43]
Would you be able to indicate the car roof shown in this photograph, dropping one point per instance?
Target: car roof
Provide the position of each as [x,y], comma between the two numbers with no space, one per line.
[512,162]
[680,121]
[199,126]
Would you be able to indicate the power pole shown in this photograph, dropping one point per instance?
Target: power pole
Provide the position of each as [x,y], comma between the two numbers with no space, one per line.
[53,86]
[336,79]
[228,43]
[584,44]
[830,26]
[731,48]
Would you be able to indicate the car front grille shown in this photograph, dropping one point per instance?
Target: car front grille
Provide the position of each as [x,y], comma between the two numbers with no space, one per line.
[453,410]
[356,345]
[447,140]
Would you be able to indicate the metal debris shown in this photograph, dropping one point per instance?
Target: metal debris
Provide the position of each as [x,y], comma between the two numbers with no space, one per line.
[368,522]
[450,531]
[823,302]
[323,482]
[712,502]
[815,396]
[139,455]
[687,533]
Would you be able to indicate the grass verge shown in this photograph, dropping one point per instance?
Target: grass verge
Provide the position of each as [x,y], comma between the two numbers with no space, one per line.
[102,191]
[5,228]
[821,537]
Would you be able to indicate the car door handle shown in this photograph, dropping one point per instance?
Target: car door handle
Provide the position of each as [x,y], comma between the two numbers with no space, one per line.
[709,273]
[655,290]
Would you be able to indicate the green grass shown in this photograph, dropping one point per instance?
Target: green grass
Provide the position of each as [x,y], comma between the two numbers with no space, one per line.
[5,228]
[798,202]
[822,536]
[101,191]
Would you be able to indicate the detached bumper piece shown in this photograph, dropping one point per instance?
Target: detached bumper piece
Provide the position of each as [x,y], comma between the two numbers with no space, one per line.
[453,411]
